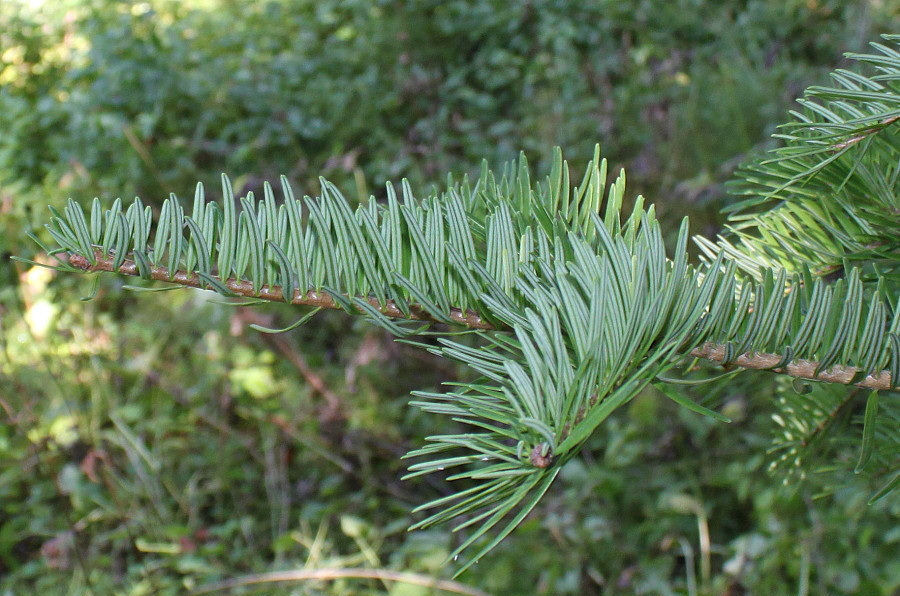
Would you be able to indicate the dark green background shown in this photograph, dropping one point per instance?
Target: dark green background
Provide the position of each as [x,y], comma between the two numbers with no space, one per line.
[151,442]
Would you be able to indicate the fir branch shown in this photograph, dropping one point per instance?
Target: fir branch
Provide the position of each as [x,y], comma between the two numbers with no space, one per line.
[802,369]
[827,197]
[864,133]
[271,293]
[574,310]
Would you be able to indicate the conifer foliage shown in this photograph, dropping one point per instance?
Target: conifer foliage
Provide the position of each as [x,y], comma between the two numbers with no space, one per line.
[564,305]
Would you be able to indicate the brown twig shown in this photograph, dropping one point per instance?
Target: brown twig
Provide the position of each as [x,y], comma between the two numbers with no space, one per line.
[245,288]
[803,369]
[865,133]
[417,579]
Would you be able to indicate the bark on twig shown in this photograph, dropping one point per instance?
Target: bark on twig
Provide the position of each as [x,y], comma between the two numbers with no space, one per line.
[803,369]
[865,133]
[245,288]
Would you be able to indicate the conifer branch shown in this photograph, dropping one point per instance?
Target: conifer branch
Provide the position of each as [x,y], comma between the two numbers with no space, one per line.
[271,293]
[588,305]
[827,197]
[803,369]
[865,133]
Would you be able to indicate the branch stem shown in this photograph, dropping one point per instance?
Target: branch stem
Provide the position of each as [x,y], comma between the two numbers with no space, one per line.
[865,133]
[803,369]
[273,293]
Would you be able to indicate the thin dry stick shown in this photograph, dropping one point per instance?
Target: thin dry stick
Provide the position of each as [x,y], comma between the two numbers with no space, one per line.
[803,369]
[417,579]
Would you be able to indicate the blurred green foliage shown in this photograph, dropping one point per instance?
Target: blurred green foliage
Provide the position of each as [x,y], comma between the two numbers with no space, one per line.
[150,443]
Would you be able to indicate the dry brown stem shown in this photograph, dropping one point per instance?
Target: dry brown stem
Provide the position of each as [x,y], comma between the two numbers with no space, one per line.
[384,575]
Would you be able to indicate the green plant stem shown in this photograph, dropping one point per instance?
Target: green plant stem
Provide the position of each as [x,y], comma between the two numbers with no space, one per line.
[803,369]
[865,133]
